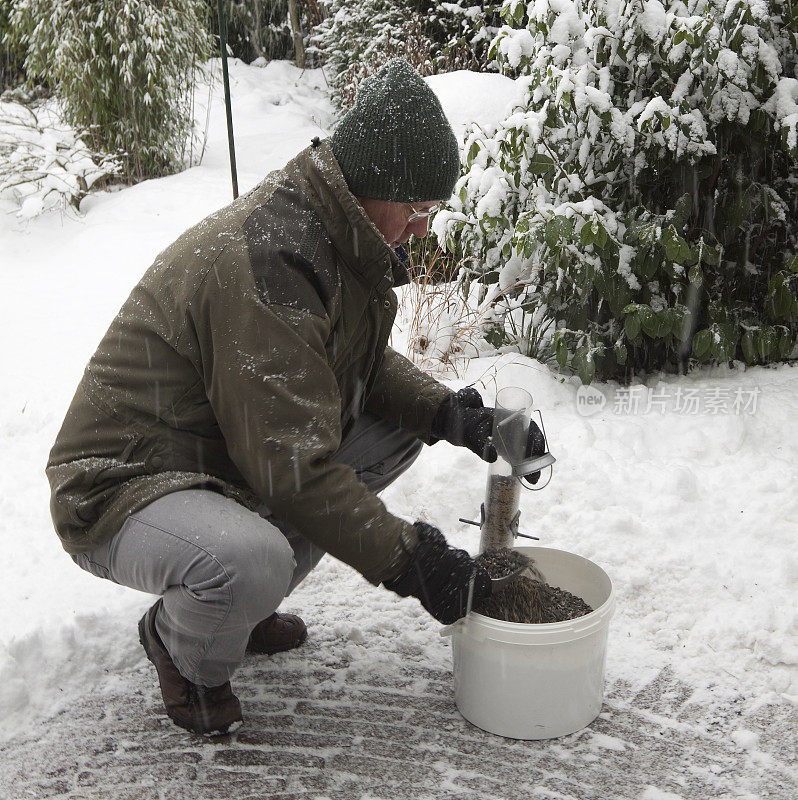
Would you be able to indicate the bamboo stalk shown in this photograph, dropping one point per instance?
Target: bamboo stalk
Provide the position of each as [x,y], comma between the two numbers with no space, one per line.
[299,47]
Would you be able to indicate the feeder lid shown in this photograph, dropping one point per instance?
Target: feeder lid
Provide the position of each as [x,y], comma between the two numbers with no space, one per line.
[531,465]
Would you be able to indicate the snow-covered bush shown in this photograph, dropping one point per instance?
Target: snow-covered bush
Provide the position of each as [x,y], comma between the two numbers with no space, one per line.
[258,28]
[11,57]
[357,37]
[637,209]
[462,32]
[43,163]
[124,70]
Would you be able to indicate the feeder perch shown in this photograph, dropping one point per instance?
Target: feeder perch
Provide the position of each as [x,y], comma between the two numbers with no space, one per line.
[500,513]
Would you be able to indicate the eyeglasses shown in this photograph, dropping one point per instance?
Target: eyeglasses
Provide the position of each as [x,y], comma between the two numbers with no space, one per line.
[421,214]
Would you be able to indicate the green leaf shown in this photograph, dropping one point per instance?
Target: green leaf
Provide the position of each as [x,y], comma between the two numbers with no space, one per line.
[710,254]
[749,348]
[702,341]
[676,248]
[681,213]
[600,237]
[648,233]
[758,119]
[586,235]
[556,228]
[473,152]
[765,343]
[540,164]
[783,303]
[496,337]
[695,275]
[786,343]
[620,353]
[632,326]
[680,37]
[587,371]
[690,257]
[724,341]
[656,324]
[617,293]
[585,365]
[648,265]
[561,349]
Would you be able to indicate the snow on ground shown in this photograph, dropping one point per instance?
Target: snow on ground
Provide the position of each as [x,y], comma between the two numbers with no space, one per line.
[683,491]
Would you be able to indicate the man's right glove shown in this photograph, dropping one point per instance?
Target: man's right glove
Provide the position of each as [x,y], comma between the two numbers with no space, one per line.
[463,420]
[440,577]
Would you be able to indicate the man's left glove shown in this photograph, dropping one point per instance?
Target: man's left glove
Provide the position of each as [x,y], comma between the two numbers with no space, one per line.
[463,420]
[440,576]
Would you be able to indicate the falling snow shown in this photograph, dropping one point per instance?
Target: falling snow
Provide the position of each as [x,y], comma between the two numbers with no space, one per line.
[691,514]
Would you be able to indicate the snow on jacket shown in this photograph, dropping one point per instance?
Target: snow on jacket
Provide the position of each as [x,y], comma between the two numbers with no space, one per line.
[238,362]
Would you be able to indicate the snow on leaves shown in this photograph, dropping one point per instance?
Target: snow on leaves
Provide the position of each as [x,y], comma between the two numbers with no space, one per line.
[571,204]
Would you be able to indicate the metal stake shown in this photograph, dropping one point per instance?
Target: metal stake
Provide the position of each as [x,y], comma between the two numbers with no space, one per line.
[226,78]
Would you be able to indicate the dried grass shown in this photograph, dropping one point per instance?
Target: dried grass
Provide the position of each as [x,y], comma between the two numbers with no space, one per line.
[443,332]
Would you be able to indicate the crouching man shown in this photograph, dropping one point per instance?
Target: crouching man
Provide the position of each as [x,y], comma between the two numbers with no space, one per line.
[243,410]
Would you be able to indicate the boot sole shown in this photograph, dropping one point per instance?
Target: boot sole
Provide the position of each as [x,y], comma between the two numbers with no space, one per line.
[270,651]
[223,730]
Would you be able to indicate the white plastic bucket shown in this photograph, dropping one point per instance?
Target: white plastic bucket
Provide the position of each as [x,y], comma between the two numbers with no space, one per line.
[536,681]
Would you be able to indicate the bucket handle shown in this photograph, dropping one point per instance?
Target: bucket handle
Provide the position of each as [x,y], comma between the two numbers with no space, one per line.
[480,635]
[449,630]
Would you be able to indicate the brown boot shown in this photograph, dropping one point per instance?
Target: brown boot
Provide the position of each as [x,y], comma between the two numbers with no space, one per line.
[277,633]
[201,709]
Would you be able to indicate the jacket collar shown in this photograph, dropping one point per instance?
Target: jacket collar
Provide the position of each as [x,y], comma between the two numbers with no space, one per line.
[354,236]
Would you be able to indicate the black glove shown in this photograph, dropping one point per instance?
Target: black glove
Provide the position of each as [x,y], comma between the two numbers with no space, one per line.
[463,420]
[535,446]
[440,577]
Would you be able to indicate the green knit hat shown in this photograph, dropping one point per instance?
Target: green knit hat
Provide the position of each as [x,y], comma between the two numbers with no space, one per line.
[396,143]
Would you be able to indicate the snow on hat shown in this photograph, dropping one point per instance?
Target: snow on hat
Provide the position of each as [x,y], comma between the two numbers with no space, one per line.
[396,143]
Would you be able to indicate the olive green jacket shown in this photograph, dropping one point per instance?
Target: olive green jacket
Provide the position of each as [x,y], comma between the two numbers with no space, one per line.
[238,362]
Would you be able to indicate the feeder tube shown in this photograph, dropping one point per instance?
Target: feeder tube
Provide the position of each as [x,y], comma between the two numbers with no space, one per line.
[503,489]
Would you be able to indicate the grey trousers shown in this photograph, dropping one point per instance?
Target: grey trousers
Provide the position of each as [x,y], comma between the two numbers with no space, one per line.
[221,568]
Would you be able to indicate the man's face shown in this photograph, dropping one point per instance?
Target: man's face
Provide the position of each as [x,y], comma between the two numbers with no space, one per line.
[393,219]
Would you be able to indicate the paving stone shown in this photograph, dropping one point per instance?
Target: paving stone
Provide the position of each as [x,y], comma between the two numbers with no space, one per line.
[311,732]
[354,711]
[294,739]
[398,772]
[272,759]
[395,733]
